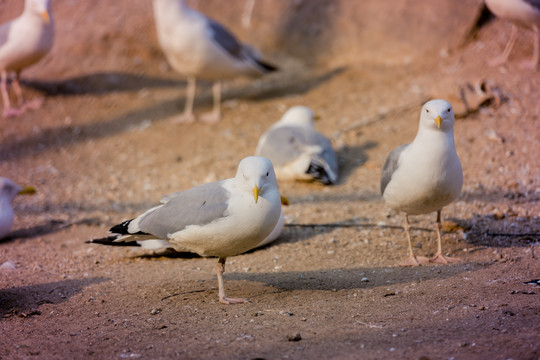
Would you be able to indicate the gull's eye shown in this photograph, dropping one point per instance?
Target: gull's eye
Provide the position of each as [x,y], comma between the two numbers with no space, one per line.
[267,173]
[449,110]
[427,110]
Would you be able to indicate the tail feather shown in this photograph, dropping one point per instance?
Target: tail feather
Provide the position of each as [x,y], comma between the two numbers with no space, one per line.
[319,173]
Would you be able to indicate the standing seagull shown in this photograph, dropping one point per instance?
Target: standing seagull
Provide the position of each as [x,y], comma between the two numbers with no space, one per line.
[525,13]
[8,191]
[221,219]
[425,175]
[23,42]
[198,47]
[297,150]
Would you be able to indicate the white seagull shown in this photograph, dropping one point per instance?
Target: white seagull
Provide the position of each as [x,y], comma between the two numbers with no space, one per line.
[198,47]
[525,13]
[221,219]
[8,191]
[23,42]
[297,150]
[425,175]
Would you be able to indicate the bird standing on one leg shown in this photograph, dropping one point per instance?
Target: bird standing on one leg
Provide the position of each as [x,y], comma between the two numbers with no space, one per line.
[23,42]
[198,47]
[220,219]
[525,13]
[425,175]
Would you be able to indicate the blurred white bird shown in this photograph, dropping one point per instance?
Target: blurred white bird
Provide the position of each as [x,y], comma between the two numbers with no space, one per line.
[8,191]
[425,175]
[198,47]
[525,13]
[23,42]
[297,150]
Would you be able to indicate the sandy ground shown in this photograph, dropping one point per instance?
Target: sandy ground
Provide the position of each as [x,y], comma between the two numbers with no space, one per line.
[102,149]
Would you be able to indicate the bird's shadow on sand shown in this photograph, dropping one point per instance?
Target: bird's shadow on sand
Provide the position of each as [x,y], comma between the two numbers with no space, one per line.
[25,301]
[503,227]
[353,157]
[348,279]
[68,135]
[101,83]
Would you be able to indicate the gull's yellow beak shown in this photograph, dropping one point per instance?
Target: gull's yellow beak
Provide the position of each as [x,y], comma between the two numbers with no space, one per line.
[256,191]
[284,200]
[27,190]
[45,16]
[438,121]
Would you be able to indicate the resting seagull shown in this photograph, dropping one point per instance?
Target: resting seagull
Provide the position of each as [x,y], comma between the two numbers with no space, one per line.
[297,150]
[23,42]
[425,175]
[222,219]
[8,191]
[198,47]
[525,13]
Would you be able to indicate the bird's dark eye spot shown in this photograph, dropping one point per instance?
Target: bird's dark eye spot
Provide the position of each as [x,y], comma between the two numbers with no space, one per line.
[448,109]
[427,110]
[267,173]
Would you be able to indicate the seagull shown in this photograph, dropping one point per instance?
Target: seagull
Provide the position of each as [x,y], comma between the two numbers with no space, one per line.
[220,219]
[425,175]
[198,47]
[8,191]
[23,42]
[525,13]
[297,150]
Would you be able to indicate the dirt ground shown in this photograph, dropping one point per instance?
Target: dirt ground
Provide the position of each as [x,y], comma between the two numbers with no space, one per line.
[102,149]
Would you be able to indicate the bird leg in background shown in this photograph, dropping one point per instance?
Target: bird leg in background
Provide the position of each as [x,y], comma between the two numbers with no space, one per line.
[220,269]
[533,62]
[214,116]
[33,105]
[501,59]
[412,260]
[187,116]
[439,257]
[8,110]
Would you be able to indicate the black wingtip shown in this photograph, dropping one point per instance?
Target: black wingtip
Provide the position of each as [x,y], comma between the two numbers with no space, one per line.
[319,173]
[121,228]
[267,67]
[110,240]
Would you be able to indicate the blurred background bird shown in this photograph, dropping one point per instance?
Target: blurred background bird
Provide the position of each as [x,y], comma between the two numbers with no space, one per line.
[198,47]
[23,42]
[525,13]
[297,150]
[8,191]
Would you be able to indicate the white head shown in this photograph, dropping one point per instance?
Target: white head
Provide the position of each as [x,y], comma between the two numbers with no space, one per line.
[437,114]
[40,7]
[257,173]
[8,189]
[298,115]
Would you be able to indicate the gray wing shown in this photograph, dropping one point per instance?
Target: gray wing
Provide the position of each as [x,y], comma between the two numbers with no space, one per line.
[390,166]
[4,31]
[197,206]
[283,145]
[225,39]
[328,156]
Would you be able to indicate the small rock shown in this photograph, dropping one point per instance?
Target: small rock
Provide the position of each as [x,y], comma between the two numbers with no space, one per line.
[294,337]
[8,265]
[155,311]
